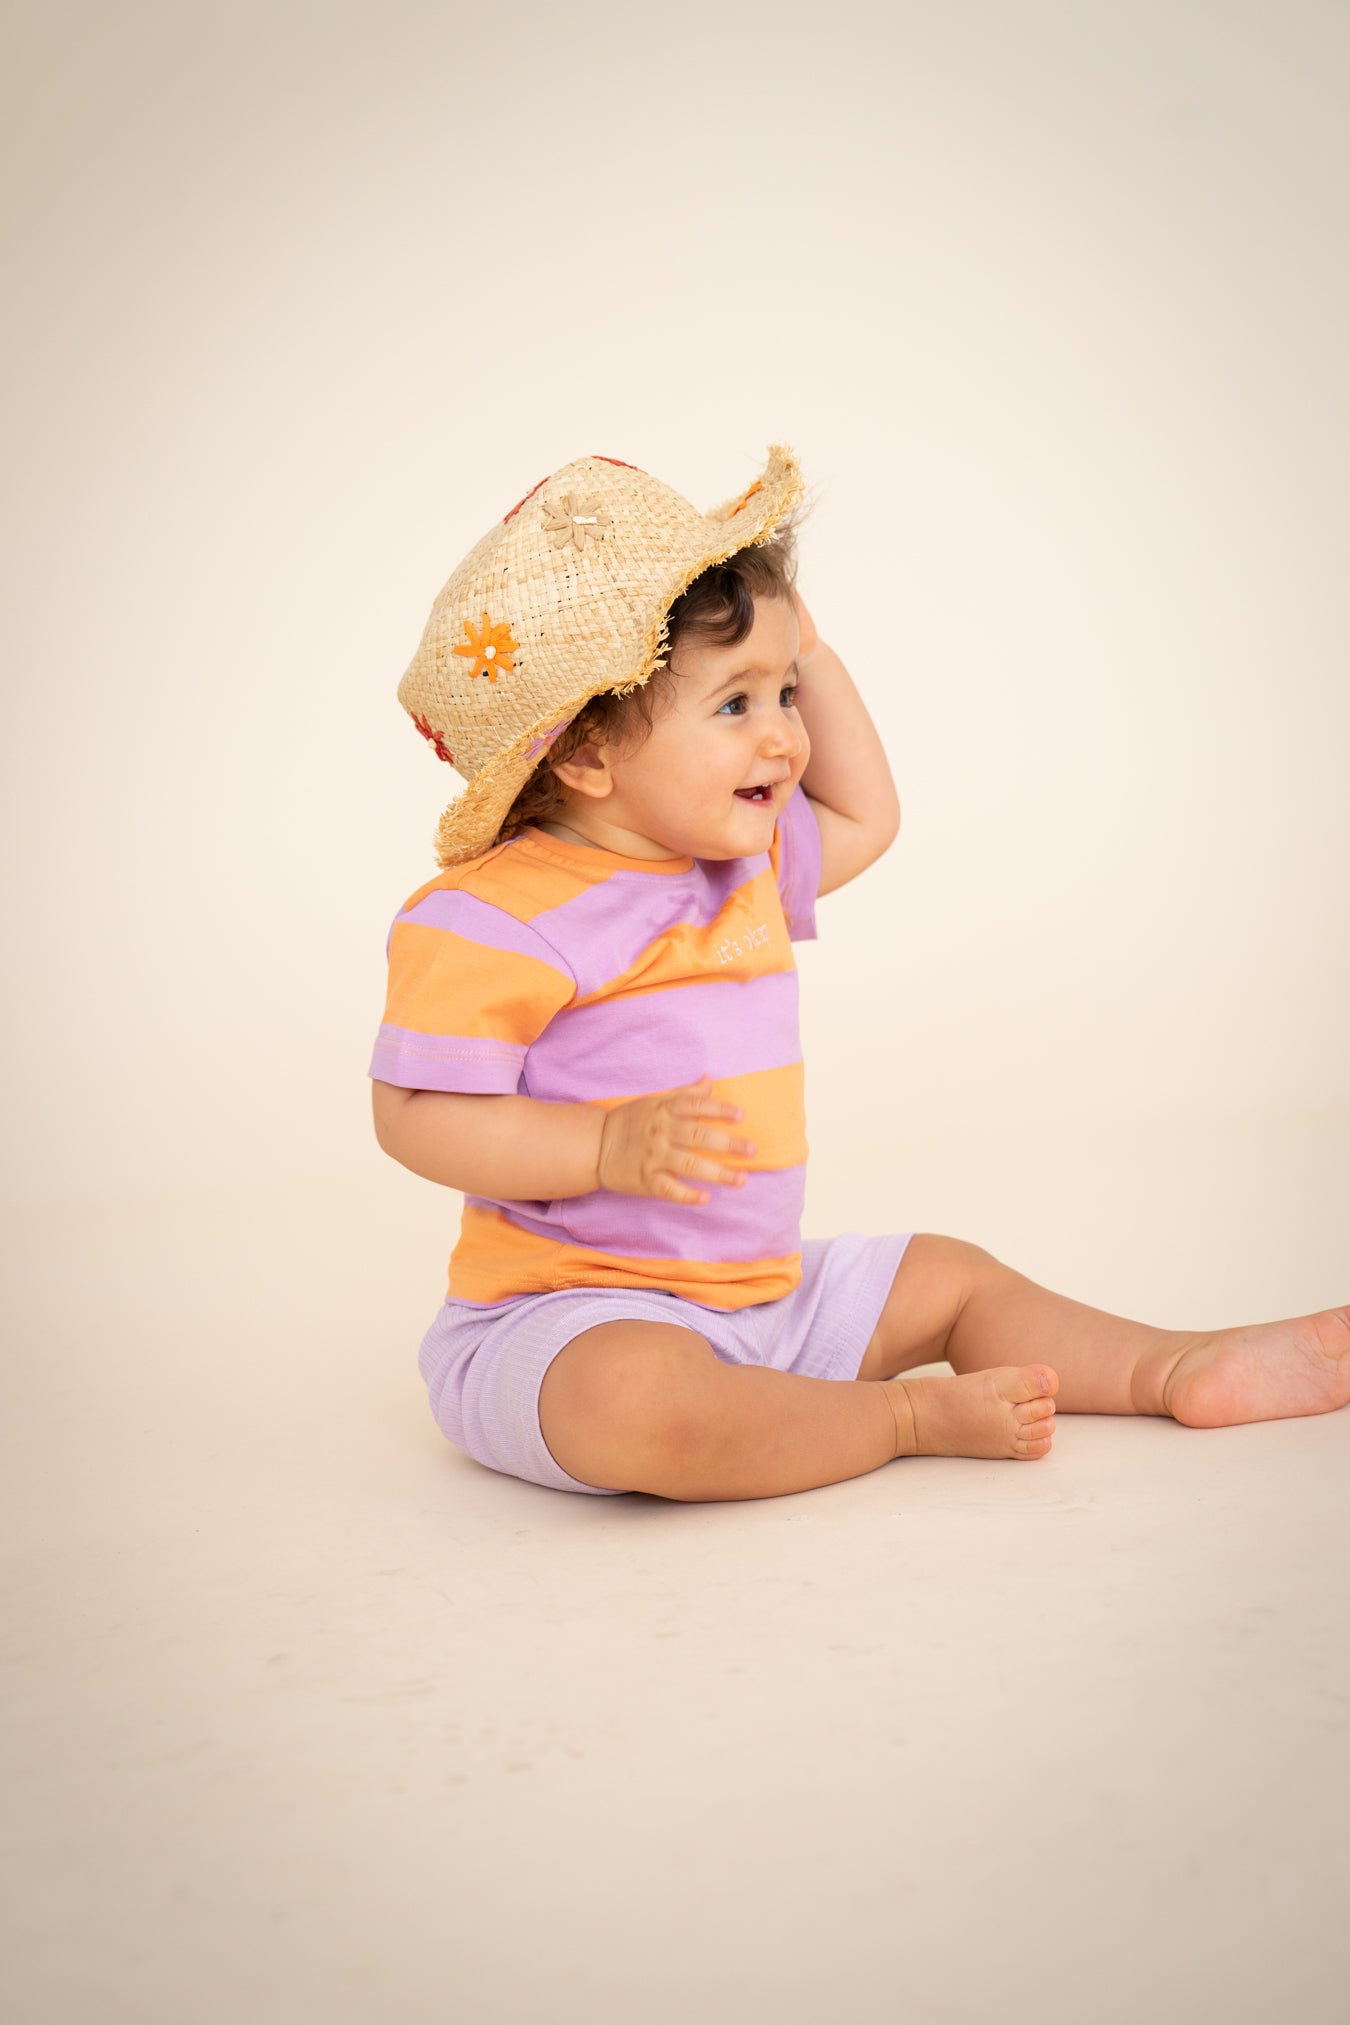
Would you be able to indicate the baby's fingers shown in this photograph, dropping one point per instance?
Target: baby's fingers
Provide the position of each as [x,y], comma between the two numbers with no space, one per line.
[695,1140]
[675,1191]
[692,1101]
[670,1182]
[688,1169]
[705,1141]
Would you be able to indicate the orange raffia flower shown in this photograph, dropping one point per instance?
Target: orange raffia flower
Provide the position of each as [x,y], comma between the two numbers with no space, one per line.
[575,520]
[490,646]
[746,497]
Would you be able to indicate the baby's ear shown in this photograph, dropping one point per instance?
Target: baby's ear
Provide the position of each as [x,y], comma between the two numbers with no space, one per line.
[586,768]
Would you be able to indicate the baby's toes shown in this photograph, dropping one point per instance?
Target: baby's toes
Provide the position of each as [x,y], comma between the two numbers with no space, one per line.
[1018,1385]
[1035,1424]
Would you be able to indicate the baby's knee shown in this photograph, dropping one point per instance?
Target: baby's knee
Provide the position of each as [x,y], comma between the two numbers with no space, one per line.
[621,1399]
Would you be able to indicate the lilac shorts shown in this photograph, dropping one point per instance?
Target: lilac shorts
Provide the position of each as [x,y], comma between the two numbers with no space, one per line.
[484,1363]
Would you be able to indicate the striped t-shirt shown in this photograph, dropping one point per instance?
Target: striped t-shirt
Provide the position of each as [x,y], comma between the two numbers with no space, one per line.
[575,975]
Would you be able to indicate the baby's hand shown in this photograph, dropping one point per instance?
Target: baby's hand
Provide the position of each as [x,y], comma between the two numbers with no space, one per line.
[648,1143]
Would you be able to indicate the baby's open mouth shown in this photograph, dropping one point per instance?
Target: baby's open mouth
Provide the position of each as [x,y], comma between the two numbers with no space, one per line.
[755,794]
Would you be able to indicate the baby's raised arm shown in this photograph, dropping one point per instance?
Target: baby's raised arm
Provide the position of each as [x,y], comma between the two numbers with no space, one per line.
[525,1150]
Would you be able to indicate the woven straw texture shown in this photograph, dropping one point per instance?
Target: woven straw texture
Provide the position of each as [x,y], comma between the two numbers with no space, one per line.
[567,596]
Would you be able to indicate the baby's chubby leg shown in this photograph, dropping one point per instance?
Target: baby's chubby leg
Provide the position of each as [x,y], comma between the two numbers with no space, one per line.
[952,1300]
[647,1406]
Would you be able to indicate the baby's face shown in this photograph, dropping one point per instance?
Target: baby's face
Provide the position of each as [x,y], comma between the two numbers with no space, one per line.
[731,722]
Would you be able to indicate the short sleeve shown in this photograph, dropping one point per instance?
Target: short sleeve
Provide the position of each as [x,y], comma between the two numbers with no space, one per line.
[795,857]
[470,989]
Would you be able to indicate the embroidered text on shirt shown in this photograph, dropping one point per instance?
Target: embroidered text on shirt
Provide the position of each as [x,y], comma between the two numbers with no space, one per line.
[732,946]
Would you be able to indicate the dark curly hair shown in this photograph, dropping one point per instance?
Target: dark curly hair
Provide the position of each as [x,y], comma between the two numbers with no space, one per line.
[718,607]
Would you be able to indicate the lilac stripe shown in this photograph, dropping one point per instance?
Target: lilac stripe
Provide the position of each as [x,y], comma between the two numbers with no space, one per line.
[799,866]
[625,1047]
[479,921]
[762,1220]
[606,927]
[447,1062]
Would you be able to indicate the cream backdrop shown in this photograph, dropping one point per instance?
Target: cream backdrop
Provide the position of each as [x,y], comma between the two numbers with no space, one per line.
[310,1717]
[1052,301]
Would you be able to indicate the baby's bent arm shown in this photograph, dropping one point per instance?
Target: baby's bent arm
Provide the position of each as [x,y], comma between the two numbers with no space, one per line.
[520,1149]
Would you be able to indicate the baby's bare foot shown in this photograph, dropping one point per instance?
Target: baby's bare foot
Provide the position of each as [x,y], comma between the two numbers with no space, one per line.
[1269,1371]
[1009,1411]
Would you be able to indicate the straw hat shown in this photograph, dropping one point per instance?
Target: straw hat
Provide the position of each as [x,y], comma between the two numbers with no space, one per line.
[564,598]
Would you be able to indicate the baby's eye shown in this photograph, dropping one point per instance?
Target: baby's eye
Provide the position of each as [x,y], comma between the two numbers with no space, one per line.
[789,690]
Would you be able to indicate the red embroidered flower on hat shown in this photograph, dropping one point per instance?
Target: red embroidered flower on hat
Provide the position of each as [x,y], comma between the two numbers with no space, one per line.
[490,646]
[575,520]
[438,744]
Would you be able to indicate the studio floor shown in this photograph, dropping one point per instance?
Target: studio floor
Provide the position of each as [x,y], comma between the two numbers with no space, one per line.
[312,1718]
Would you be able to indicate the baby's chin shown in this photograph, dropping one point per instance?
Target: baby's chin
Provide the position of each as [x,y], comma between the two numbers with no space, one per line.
[744,832]
[741,829]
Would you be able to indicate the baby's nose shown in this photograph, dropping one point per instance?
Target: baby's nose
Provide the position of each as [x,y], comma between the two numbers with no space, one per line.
[788,742]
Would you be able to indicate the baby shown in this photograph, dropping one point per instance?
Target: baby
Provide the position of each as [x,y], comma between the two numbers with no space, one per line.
[591,1031]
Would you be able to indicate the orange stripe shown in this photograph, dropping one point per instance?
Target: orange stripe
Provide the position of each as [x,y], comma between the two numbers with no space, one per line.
[500,878]
[525,884]
[496,1260]
[774,1103]
[448,882]
[443,983]
[745,939]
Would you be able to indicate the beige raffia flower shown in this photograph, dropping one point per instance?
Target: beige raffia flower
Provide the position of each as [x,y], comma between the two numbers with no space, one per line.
[576,520]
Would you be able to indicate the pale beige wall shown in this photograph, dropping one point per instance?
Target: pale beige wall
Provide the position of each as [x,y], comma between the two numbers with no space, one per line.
[1052,301]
